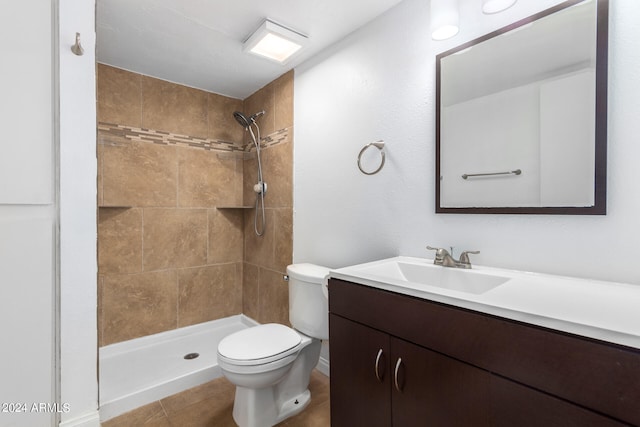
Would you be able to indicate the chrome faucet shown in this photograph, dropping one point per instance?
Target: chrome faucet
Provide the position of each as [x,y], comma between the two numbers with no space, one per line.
[444,258]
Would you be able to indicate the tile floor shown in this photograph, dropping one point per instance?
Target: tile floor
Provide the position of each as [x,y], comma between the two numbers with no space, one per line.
[210,405]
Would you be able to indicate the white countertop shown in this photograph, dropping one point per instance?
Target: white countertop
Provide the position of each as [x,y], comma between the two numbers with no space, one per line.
[606,311]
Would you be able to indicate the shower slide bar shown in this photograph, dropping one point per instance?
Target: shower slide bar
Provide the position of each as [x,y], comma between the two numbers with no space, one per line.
[469,175]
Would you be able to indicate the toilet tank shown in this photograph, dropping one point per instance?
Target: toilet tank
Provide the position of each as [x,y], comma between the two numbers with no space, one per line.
[308,304]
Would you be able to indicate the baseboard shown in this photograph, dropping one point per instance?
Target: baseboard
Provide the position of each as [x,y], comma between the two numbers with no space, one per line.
[323,366]
[91,419]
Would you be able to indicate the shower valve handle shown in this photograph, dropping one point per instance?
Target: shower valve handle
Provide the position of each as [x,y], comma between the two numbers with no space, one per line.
[260,187]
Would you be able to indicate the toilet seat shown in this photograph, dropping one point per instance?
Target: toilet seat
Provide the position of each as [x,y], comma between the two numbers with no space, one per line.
[259,345]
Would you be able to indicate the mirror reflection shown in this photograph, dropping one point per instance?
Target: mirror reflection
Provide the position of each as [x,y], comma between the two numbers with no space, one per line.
[519,130]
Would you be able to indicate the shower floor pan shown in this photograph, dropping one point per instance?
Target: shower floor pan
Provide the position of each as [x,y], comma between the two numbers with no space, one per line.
[143,370]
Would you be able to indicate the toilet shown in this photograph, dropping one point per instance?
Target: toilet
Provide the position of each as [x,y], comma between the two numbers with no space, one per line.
[270,364]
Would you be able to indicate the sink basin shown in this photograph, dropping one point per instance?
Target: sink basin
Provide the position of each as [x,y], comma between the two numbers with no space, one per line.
[423,273]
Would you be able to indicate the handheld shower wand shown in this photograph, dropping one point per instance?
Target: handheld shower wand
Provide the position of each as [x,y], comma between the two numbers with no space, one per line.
[261,187]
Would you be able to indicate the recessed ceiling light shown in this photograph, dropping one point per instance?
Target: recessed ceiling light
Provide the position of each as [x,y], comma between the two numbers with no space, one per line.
[275,42]
[495,6]
[444,19]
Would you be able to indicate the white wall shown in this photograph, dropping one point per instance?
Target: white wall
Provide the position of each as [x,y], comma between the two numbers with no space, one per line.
[78,232]
[379,83]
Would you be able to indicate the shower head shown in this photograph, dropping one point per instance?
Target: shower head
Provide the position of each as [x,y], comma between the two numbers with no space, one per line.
[245,121]
[242,119]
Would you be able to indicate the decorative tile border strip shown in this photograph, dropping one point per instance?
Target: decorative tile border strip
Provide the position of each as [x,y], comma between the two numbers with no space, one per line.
[113,134]
[278,137]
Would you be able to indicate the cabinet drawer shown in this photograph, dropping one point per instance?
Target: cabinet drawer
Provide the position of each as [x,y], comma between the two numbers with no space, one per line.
[601,376]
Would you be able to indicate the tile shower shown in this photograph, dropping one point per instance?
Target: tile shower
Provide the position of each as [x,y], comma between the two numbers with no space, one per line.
[175,248]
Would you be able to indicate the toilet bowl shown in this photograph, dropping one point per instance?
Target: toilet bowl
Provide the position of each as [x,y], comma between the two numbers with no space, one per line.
[270,364]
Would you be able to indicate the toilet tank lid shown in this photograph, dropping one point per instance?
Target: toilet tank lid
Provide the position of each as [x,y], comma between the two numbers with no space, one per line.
[308,272]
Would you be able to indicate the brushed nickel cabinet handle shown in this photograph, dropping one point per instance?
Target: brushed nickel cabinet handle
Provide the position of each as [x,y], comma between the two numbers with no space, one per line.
[395,375]
[377,370]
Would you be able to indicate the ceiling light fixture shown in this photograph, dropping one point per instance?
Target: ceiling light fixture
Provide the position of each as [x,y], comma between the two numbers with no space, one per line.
[275,42]
[495,6]
[444,19]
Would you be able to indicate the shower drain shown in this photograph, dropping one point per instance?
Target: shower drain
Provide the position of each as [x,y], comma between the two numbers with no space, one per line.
[191,356]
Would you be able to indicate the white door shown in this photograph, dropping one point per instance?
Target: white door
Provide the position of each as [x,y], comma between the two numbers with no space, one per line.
[28,215]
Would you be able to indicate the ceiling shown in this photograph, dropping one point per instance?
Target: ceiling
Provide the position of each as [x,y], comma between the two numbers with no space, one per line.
[552,46]
[198,43]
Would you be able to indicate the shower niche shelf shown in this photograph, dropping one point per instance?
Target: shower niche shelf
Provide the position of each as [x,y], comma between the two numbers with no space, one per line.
[235,207]
[114,207]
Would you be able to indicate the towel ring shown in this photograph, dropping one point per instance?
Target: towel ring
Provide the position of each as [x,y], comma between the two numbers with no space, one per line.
[380,146]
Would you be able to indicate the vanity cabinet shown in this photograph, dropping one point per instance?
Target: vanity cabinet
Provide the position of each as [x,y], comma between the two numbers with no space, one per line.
[382,382]
[403,361]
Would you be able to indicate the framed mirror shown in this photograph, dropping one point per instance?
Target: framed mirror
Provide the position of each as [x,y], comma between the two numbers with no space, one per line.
[521,116]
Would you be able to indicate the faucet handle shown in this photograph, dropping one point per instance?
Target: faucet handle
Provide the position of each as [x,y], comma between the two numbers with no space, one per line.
[440,254]
[464,257]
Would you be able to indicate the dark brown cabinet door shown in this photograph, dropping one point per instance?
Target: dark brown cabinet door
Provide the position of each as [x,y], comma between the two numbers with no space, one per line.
[360,387]
[378,380]
[430,389]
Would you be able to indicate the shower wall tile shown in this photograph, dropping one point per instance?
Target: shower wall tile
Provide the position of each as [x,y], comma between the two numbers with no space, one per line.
[263,99]
[222,125]
[136,305]
[208,293]
[250,177]
[251,291]
[283,240]
[258,250]
[174,108]
[274,297]
[119,96]
[119,240]
[138,174]
[274,248]
[265,294]
[174,238]
[278,168]
[283,93]
[226,232]
[208,178]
